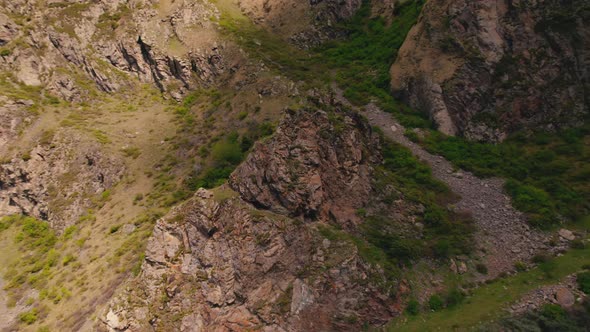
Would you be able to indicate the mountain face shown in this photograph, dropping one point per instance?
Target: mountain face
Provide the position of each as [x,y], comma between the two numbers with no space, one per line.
[485,69]
[191,165]
[225,265]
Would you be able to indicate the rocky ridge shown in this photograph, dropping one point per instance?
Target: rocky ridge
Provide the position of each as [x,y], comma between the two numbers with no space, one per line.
[218,263]
[305,23]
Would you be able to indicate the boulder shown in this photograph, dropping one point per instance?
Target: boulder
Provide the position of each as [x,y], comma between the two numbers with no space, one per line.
[567,234]
[565,297]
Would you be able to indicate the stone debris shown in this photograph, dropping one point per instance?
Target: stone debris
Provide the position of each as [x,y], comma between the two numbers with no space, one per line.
[565,294]
[501,228]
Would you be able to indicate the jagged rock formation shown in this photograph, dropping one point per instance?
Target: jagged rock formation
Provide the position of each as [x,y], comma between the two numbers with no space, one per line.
[216,263]
[484,69]
[106,38]
[58,181]
[319,169]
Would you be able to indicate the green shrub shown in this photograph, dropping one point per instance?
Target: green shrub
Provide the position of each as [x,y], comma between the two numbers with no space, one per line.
[242,115]
[454,297]
[435,302]
[226,152]
[520,266]
[578,244]
[413,307]
[29,317]
[412,135]
[584,282]
[481,268]
[68,259]
[114,229]
[541,258]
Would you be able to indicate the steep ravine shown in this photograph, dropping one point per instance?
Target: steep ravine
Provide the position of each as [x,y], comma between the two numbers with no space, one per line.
[504,237]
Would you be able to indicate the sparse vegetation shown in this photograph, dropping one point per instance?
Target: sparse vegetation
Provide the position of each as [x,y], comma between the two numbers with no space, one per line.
[39,240]
[547,173]
[445,233]
[131,152]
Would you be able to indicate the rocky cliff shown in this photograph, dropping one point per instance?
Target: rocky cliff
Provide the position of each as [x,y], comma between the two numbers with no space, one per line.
[113,114]
[319,168]
[485,69]
[217,263]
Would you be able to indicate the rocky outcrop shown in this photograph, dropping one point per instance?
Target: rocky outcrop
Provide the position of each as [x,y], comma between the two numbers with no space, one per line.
[318,166]
[219,263]
[13,115]
[8,29]
[484,69]
[173,48]
[306,23]
[58,181]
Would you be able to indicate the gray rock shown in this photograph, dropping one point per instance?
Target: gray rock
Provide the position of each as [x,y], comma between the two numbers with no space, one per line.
[565,297]
[567,234]
[302,296]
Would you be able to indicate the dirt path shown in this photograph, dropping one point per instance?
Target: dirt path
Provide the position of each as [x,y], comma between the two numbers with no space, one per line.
[502,232]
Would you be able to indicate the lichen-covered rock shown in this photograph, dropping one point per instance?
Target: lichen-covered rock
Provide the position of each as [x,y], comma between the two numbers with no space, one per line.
[484,69]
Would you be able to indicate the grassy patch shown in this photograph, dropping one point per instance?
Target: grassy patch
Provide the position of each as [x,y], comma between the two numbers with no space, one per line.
[486,303]
[39,242]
